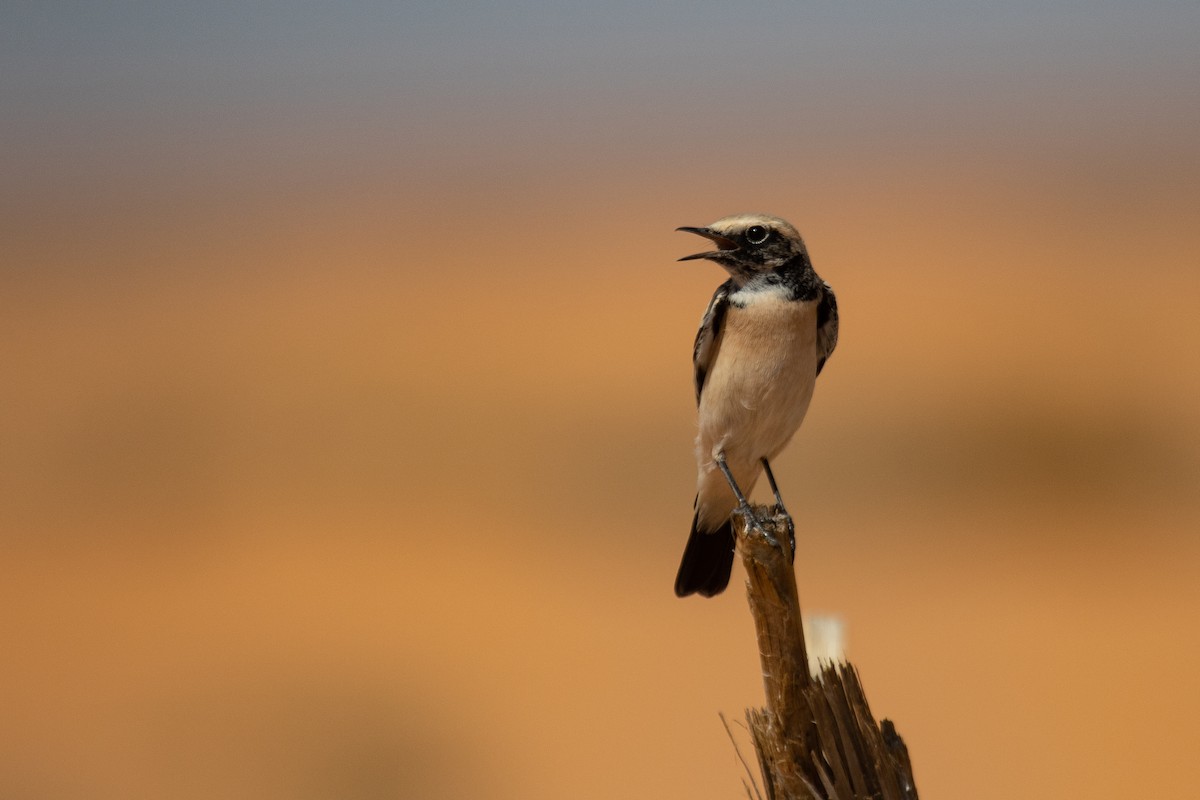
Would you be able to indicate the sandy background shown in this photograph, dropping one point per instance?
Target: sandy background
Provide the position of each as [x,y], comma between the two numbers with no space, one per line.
[346,436]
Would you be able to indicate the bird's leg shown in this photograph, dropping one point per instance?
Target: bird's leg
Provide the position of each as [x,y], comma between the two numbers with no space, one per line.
[774,487]
[743,506]
[791,527]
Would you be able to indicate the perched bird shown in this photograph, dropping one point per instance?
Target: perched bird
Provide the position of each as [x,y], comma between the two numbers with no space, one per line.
[762,342]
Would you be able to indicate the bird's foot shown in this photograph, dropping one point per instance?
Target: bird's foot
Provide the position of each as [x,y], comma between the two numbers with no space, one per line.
[753,523]
[781,512]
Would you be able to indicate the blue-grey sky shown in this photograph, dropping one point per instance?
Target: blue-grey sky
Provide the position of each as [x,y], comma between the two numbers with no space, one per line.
[83,76]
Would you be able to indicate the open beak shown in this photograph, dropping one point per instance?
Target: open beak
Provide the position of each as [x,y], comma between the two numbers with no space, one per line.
[724,245]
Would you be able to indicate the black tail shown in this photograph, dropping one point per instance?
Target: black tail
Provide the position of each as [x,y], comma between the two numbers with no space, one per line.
[707,562]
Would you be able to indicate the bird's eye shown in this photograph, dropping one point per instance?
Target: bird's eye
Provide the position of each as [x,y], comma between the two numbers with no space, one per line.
[757,234]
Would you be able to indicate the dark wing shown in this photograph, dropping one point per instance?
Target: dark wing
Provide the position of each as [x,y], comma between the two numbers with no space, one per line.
[827,325]
[705,351]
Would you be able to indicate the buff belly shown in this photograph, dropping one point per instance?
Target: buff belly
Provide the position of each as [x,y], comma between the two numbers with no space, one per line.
[755,396]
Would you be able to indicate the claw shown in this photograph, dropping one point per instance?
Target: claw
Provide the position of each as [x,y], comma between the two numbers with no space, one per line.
[791,534]
[753,523]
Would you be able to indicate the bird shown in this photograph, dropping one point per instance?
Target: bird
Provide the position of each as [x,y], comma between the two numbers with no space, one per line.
[763,340]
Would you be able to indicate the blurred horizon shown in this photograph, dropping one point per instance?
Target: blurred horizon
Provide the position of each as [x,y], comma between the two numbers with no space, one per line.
[348,411]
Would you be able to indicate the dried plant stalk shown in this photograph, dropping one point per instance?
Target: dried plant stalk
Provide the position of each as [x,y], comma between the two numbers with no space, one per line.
[816,738]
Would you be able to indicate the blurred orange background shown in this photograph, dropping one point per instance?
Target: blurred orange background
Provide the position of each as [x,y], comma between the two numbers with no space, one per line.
[346,445]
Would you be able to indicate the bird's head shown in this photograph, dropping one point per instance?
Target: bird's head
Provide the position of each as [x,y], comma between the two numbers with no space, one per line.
[750,245]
